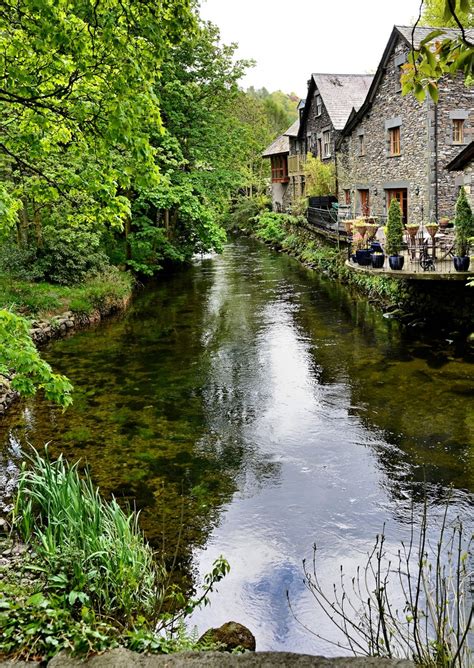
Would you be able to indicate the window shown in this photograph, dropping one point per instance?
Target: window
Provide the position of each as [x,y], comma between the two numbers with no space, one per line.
[327,144]
[394,135]
[319,105]
[458,131]
[347,197]
[361,145]
[279,168]
[320,148]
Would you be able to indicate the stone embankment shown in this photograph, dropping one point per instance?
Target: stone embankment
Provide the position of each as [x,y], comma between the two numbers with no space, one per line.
[56,327]
[123,658]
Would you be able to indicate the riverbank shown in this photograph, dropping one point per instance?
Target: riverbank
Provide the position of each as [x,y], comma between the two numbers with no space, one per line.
[54,311]
[416,303]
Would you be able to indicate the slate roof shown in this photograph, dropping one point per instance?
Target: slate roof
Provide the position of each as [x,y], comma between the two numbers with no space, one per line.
[293,129]
[280,145]
[405,32]
[423,31]
[462,159]
[341,93]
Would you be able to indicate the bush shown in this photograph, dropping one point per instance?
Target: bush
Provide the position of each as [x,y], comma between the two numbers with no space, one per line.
[394,228]
[65,257]
[245,211]
[273,227]
[463,224]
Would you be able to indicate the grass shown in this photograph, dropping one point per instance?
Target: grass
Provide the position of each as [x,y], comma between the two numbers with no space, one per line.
[90,581]
[89,548]
[45,299]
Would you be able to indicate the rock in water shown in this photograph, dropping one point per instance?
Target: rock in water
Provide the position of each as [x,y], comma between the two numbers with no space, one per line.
[230,636]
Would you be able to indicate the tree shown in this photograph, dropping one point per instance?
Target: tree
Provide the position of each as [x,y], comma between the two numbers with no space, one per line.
[319,177]
[394,228]
[463,225]
[440,53]
[77,105]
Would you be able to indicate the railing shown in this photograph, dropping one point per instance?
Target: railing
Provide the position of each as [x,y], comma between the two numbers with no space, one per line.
[296,164]
[423,254]
[324,219]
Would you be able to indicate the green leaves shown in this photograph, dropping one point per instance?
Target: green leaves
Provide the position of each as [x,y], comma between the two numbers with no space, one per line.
[20,360]
[440,54]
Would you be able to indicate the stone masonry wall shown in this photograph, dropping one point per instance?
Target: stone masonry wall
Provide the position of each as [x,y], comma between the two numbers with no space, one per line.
[315,125]
[376,170]
[424,129]
[455,101]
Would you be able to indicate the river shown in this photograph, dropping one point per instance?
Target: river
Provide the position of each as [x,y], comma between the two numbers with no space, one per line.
[250,408]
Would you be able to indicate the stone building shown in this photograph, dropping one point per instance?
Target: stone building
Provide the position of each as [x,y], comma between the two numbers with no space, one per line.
[463,165]
[394,146]
[329,102]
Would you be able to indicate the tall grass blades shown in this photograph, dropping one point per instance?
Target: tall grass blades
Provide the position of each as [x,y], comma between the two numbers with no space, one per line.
[89,548]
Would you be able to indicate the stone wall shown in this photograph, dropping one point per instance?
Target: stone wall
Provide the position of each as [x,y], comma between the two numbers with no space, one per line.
[43,331]
[315,125]
[376,170]
[424,130]
[455,102]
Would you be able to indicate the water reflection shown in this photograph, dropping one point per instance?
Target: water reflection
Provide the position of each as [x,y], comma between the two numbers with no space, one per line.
[251,409]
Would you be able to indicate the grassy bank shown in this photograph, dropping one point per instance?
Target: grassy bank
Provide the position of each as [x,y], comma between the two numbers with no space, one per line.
[43,300]
[447,304]
[289,234]
[86,580]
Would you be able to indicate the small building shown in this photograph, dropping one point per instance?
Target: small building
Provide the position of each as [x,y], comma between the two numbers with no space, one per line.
[330,100]
[394,146]
[277,153]
[463,164]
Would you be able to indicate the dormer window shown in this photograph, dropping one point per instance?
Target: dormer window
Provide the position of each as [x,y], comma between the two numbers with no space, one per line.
[319,105]
[458,131]
[394,134]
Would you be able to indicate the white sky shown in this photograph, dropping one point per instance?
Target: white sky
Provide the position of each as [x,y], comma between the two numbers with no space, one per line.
[290,39]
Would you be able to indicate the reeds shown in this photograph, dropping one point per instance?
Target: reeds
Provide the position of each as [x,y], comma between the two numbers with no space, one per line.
[87,548]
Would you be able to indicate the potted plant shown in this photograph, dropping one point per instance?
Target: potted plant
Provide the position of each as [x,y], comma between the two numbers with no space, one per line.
[463,231]
[432,228]
[377,260]
[443,223]
[412,229]
[348,225]
[371,230]
[394,236]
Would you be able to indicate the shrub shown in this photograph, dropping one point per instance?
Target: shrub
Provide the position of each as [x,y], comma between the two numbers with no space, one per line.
[463,224]
[394,228]
[245,210]
[320,178]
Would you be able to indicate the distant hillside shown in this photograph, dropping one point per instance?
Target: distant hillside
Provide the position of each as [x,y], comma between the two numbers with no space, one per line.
[279,107]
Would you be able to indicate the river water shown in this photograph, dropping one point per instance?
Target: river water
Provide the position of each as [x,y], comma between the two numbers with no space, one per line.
[250,408]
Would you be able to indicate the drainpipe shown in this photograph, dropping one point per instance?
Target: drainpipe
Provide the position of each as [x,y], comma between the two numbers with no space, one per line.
[436,159]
